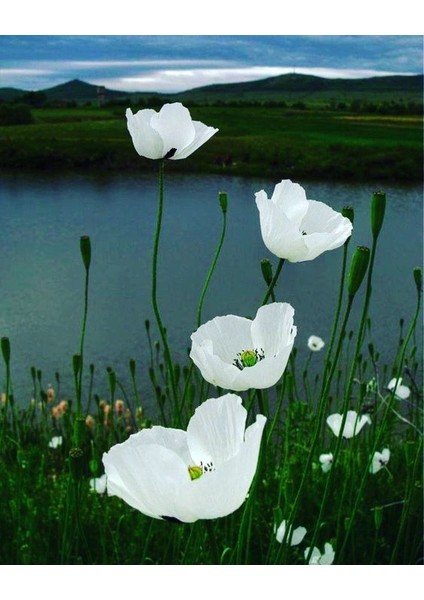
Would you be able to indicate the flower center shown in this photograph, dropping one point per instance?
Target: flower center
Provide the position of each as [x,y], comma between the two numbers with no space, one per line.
[248,358]
[195,472]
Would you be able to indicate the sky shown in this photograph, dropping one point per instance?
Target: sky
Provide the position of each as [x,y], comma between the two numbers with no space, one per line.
[173,63]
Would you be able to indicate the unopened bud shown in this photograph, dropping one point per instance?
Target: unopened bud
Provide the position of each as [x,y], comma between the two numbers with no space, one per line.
[223,201]
[348,212]
[5,349]
[418,278]
[132,367]
[76,364]
[358,268]
[85,247]
[76,463]
[266,269]
[378,208]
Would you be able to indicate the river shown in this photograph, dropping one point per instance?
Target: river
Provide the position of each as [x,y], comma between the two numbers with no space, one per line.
[42,276]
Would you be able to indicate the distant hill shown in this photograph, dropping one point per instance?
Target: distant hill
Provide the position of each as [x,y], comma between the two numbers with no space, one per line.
[295,86]
[291,87]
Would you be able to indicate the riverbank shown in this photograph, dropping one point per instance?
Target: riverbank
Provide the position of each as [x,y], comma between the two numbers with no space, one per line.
[253,141]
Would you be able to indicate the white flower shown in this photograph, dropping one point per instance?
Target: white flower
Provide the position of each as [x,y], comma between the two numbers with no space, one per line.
[326,461]
[99,484]
[236,353]
[202,473]
[402,392]
[352,426]
[170,133]
[379,460]
[321,559]
[56,441]
[298,229]
[294,538]
[315,343]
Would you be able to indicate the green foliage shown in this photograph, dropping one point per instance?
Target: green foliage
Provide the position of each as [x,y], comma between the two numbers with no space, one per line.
[252,141]
[15,114]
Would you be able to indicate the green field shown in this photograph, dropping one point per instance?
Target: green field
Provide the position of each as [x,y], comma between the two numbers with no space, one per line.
[258,141]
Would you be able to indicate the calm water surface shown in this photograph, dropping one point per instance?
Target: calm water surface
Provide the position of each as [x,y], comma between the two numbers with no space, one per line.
[42,277]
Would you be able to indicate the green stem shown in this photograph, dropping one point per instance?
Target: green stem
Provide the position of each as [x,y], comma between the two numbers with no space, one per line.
[159,322]
[274,281]
[338,309]
[212,268]
[83,328]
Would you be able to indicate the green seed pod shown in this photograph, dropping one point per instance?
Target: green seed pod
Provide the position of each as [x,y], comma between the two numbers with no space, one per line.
[76,364]
[5,349]
[111,376]
[85,247]
[266,268]
[378,208]
[76,463]
[223,201]
[418,278]
[132,367]
[358,268]
[347,211]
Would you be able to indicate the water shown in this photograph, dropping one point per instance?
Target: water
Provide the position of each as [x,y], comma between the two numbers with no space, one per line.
[42,276]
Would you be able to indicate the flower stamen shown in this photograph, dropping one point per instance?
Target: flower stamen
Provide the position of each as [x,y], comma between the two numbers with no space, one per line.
[248,358]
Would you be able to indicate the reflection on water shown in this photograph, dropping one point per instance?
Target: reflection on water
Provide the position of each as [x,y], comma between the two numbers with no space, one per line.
[42,276]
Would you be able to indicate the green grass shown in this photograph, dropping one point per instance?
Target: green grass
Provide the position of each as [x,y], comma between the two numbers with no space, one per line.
[255,141]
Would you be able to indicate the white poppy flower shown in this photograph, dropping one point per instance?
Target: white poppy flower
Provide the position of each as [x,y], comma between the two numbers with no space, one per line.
[315,343]
[56,441]
[298,229]
[293,538]
[99,484]
[379,460]
[202,473]
[321,559]
[353,424]
[169,133]
[402,392]
[326,461]
[236,353]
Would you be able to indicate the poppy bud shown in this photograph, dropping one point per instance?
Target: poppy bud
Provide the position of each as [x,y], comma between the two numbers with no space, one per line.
[358,268]
[347,211]
[132,367]
[76,364]
[223,201]
[5,349]
[111,376]
[266,268]
[418,278]
[85,247]
[76,463]
[378,207]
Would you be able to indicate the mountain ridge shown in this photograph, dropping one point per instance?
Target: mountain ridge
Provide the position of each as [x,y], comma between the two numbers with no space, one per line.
[270,88]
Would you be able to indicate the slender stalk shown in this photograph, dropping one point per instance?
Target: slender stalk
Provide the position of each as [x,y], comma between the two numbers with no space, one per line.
[156,310]
[274,281]
[213,265]
[338,309]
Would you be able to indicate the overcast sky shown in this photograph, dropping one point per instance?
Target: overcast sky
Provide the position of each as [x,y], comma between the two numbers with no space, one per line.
[171,63]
